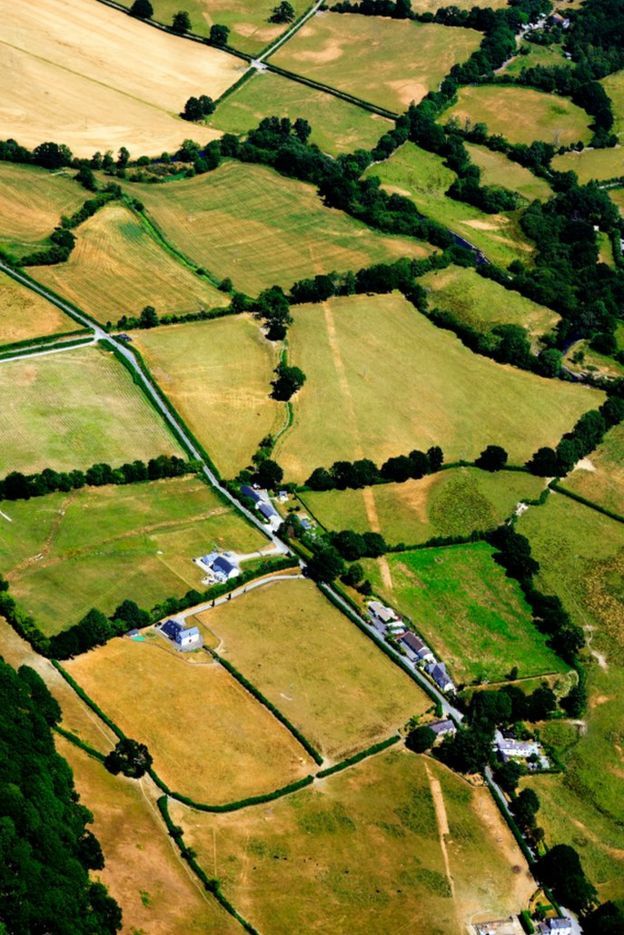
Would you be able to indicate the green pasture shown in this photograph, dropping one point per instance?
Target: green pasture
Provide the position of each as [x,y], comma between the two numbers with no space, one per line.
[497,169]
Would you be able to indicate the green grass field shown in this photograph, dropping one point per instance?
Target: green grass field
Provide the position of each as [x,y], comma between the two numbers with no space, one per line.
[617,197]
[423,177]
[581,358]
[218,375]
[387,62]
[521,115]
[378,362]
[482,303]
[24,314]
[602,481]
[469,612]
[363,851]
[65,553]
[581,554]
[52,417]
[337,127]
[117,268]
[32,201]
[614,86]
[546,56]
[497,169]
[306,657]
[251,224]
[450,503]
[592,164]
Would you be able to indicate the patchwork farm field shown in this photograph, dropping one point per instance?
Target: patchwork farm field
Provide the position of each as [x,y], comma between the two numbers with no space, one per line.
[52,417]
[117,268]
[592,164]
[218,375]
[423,177]
[450,503]
[66,553]
[469,612]
[111,96]
[581,555]
[387,62]
[600,478]
[482,303]
[497,169]
[337,126]
[368,843]
[251,224]
[32,201]
[521,115]
[394,382]
[329,679]
[24,314]
[231,748]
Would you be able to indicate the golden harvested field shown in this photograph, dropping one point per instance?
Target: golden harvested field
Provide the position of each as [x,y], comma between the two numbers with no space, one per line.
[218,375]
[329,679]
[24,314]
[105,94]
[32,201]
[521,114]
[142,871]
[366,850]
[600,477]
[617,197]
[337,127]
[259,228]
[614,86]
[497,169]
[52,418]
[117,268]
[592,164]
[482,303]
[210,739]
[379,363]
[387,62]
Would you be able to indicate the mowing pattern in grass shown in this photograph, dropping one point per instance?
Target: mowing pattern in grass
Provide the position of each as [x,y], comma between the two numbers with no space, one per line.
[600,478]
[581,554]
[424,178]
[32,201]
[387,62]
[337,127]
[24,314]
[315,666]
[117,269]
[365,844]
[592,164]
[474,617]
[521,114]
[66,553]
[394,382]
[110,96]
[483,303]
[53,418]
[218,376]
[451,503]
[497,169]
[209,738]
[251,224]
[614,86]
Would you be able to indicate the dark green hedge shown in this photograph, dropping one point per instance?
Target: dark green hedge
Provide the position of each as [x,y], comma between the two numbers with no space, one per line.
[589,503]
[77,742]
[239,803]
[357,757]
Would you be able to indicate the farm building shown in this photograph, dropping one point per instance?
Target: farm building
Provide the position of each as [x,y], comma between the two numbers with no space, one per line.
[183,638]
[258,496]
[270,514]
[437,671]
[415,649]
[511,749]
[220,566]
[381,615]
[560,926]
[442,728]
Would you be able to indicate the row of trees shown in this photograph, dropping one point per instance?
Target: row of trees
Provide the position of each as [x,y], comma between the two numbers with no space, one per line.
[364,472]
[586,435]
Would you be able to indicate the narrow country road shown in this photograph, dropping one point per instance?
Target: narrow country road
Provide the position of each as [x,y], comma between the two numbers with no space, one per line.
[231,595]
[286,36]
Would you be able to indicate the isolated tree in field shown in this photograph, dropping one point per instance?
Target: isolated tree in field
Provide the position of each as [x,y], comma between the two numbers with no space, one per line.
[129,757]
[142,8]
[196,108]
[287,382]
[181,22]
[492,458]
[420,739]
[284,12]
[219,35]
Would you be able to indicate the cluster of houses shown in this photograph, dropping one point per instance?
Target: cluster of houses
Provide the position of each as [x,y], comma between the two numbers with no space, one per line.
[530,752]
[512,926]
[183,638]
[219,567]
[262,503]
[389,624]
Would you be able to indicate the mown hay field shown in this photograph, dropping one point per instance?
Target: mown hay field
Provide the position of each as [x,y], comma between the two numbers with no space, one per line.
[384,61]
[600,477]
[521,115]
[592,164]
[581,556]
[614,86]
[251,224]
[105,94]
[52,418]
[24,314]
[248,22]
[482,303]
[32,201]
[423,177]
[65,553]
[218,376]
[469,612]
[117,268]
[497,169]
[337,127]
[450,503]
[365,845]
[393,381]
[329,679]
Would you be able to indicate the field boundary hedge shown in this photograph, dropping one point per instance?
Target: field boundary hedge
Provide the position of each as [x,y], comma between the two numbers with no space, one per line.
[77,742]
[34,351]
[554,485]
[358,757]
[318,86]
[48,339]
[237,805]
